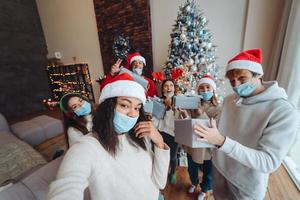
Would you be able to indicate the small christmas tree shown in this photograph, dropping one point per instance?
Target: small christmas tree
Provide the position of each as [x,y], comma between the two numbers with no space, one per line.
[191,49]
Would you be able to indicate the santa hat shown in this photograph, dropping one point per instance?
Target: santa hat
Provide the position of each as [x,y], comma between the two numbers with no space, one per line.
[136,56]
[208,80]
[250,60]
[122,85]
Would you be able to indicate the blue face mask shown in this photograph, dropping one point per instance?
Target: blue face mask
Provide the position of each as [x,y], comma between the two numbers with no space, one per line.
[206,96]
[138,71]
[123,123]
[245,90]
[84,110]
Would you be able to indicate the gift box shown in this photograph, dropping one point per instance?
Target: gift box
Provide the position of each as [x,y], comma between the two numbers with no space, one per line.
[148,106]
[156,107]
[185,134]
[137,78]
[186,102]
[159,109]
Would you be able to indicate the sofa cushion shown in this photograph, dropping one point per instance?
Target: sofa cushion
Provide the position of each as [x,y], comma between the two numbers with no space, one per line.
[3,123]
[29,132]
[17,158]
[37,130]
[18,191]
[52,127]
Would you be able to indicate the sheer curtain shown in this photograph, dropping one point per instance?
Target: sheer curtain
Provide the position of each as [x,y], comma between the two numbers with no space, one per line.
[286,55]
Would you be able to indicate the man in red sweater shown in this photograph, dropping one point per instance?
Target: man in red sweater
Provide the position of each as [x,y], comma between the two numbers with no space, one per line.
[136,63]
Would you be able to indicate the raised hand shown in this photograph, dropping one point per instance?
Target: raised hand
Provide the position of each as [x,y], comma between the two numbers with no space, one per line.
[183,113]
[115,68]
[209,134]
[146,128]
[168,102]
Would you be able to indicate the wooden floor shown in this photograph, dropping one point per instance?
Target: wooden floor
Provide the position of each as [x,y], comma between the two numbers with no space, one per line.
[281,187]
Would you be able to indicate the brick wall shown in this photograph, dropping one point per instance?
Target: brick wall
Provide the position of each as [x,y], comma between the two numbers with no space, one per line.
[23,80]
[131,17]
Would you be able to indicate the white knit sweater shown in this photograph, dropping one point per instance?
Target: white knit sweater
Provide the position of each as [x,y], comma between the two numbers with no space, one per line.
[133,174]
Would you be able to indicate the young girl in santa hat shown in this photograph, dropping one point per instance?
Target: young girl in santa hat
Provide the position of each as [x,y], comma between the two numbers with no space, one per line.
[125,156]
[200,158]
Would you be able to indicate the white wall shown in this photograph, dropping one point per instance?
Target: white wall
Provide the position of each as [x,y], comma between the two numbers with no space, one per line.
[235,25]
[261,25]
[70,27]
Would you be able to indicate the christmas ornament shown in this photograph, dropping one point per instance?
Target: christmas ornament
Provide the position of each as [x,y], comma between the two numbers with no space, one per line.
[121,47]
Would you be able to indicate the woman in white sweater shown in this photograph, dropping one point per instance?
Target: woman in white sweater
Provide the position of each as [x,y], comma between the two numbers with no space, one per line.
[166,125]
[78,116]
[125,157]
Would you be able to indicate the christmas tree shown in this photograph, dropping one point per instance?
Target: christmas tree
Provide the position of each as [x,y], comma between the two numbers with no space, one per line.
[191,49]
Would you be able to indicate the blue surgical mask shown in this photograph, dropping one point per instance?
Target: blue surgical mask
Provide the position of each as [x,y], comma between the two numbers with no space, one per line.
[169,94]
[206,96]
[83,110]
[138,71]
[245,89]
[123,123]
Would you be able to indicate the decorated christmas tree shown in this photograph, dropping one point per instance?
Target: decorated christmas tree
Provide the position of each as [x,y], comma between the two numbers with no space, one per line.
[191,49]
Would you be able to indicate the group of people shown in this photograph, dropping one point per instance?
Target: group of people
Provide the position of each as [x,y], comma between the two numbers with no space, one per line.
[118,152]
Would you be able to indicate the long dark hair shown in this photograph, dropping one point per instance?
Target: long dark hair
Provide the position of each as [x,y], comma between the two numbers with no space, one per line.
[104,128]
[70,118]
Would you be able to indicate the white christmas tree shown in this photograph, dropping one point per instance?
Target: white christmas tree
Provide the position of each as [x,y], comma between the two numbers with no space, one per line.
[191,49]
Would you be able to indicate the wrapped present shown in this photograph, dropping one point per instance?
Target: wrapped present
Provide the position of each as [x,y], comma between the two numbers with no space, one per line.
[148,106]
[137,78]
[185,134]
[186,102]
[156,107]
[159,109]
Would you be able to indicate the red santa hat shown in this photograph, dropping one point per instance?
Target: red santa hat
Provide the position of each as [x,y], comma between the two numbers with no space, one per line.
[249,59]
[122,85]
[208,80]
[136,56]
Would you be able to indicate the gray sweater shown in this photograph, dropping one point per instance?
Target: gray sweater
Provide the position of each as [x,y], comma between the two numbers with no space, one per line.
[259,132]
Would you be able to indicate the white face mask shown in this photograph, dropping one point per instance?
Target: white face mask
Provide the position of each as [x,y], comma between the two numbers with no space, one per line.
[169,94]
[138,71]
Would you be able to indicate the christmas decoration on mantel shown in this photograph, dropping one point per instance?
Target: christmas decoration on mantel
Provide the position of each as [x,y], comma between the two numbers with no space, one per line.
[191,50]
[70,78]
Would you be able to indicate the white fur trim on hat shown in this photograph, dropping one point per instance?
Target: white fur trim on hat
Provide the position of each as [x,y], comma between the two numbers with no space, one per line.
[245,64]
[138,58]
[124,88]
[208,81]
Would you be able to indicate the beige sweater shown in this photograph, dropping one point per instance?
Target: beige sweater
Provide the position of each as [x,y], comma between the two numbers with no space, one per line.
[133,174]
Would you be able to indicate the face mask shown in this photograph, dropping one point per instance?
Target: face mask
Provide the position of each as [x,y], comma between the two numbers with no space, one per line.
[123,123]
[138,71]
[206,96]
[169,94]
[85,109]
[246,89]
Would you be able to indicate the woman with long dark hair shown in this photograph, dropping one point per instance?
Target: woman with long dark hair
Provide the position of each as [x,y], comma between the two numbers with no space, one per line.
[125,156]
[78,115]
[166,125]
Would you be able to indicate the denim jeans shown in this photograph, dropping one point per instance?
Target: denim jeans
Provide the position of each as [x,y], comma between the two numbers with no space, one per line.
[170,141]
[206,168]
